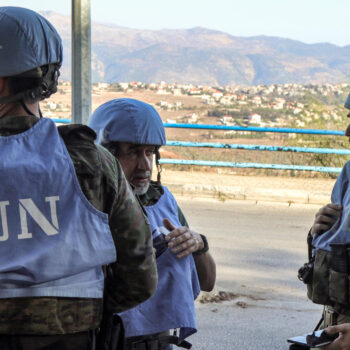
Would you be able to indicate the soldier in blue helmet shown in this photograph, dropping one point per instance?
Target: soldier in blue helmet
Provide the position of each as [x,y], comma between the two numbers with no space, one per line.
[66,208]
[133,131]
[327,272]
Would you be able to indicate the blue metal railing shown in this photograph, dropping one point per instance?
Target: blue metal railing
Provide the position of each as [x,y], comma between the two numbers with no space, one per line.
[238,128]
[250,165]
[259,147]
[250,147]
[256,129]
[62,121]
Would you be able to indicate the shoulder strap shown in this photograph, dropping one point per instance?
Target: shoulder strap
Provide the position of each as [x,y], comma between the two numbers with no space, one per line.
[309,245]
[157,343]
[172,339]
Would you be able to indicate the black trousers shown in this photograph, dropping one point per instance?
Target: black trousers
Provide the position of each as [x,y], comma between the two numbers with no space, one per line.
[77,341]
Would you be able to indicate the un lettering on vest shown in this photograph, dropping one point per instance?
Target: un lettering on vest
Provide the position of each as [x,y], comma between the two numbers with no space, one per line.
[26,207]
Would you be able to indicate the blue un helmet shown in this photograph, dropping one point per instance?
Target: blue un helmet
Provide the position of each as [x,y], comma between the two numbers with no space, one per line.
[129,120]
[30,47]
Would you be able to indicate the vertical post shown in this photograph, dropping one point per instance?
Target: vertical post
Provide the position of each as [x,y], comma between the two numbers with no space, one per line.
[81,61]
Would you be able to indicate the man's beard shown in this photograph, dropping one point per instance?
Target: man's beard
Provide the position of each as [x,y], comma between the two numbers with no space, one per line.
[141,188]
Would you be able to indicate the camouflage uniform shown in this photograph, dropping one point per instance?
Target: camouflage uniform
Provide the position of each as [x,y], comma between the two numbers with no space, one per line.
[129,281]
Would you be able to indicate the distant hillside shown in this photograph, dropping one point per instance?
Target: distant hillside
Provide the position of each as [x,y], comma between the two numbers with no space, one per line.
[204,56]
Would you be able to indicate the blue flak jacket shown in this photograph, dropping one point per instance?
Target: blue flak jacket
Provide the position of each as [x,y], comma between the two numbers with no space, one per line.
[172,305]
[340,231]
[53,242]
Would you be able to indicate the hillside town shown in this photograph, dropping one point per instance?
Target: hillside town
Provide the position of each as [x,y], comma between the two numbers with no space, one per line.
[274,105]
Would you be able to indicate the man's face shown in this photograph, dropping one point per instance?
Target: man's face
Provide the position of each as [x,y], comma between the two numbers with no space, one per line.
[136,161]
[347,131]
[347,106]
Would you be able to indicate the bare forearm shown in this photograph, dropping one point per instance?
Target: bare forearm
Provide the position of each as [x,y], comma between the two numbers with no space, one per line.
[206,270]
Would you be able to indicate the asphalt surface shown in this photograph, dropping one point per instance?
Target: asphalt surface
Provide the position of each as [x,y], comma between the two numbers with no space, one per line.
[258,248]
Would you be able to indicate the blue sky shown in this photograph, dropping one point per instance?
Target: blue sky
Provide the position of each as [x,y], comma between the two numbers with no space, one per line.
[309,21]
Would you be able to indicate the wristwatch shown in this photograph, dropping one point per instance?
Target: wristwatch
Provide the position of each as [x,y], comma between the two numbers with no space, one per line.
[204,249]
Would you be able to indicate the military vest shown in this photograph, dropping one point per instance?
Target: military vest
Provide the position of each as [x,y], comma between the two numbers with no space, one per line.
[172,305]
[53,242]
[331,254]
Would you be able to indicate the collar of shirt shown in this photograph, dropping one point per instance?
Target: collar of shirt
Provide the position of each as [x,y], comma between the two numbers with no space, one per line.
[11,125]
[151,197]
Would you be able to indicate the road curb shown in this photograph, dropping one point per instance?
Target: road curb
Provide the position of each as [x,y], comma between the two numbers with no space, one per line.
[246,193]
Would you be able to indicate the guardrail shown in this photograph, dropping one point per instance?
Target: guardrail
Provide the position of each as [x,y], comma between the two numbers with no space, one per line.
[250,165]
[251,147]
[259,147]
[256,129]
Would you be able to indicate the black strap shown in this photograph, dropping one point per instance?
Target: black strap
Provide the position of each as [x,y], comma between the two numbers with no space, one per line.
[298,347]
[154,344]
[319,323]
[305,347]
[111,335]
[309,245]
[172,339]
[24,106]
[48,75]
[138,346]
[204,249]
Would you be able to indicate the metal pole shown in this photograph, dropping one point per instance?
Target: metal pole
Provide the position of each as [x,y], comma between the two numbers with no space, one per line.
[81,61]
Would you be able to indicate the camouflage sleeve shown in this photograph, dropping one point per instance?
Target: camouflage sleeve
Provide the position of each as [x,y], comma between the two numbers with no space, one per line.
[181,217]
[133,277]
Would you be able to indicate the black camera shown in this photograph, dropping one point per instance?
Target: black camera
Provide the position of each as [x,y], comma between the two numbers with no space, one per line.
[305,272]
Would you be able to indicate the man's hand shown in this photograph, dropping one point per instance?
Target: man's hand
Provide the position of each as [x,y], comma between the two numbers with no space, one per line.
[325,218]
[182,240]
[343,341]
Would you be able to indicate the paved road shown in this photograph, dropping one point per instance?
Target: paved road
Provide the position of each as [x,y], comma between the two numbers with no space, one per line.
[258,248]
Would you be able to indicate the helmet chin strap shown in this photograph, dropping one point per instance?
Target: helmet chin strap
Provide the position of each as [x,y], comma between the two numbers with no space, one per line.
[21,97]
[159,167]
[24,106]
[48,85]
